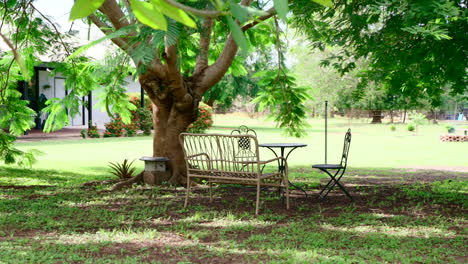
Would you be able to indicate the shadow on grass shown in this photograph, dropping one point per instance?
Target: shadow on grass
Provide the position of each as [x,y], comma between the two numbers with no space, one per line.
[392,222]
[28,177]
[229,236]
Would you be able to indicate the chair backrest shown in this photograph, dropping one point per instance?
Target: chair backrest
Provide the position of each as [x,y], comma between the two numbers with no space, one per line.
[219,152]
[244,141]
[243,130]
[347,143]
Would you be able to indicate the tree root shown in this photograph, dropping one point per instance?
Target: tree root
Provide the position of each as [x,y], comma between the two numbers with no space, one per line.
[120,185]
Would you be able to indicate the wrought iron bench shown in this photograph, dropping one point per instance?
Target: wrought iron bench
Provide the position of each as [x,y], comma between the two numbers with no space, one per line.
[232,159]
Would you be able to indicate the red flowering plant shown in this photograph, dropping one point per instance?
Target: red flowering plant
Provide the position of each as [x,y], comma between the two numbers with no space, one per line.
[114,128]
[93,132]
[204,120]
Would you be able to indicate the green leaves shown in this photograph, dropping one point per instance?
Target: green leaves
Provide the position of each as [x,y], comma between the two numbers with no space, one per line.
[282,8]
[149,14]
[284,100]
[84,8]
[327,3]
[237,34]
[10,155]
[174,13]
[239,12]
[152,14]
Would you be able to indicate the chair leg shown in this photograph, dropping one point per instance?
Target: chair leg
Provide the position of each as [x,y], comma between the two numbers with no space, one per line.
[211,196]
[287,195]
[337,182]
[257,203]
[343,188]
[187,194]
[329,186]
[334,181]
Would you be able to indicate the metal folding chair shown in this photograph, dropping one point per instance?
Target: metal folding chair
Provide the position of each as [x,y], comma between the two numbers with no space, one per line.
[338,168]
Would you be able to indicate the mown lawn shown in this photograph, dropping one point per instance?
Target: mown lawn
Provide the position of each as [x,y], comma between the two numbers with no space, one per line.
[371,146]
[62,211]
[397,216]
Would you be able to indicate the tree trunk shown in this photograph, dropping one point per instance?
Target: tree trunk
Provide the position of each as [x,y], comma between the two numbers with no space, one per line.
[391,116]
[171,116]
[404,115]
[376,117]
[169,122]
[434,117]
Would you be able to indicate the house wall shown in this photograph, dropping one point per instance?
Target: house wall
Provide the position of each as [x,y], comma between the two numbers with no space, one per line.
[54,86]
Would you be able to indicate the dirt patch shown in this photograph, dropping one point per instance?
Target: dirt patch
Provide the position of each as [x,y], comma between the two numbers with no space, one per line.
[62,134]
[181,237]
[438,168]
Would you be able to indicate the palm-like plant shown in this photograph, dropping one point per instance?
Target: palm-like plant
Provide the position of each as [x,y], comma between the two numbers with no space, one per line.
[122,170]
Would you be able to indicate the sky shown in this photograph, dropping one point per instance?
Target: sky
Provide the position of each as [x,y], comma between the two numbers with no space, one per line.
[59,11]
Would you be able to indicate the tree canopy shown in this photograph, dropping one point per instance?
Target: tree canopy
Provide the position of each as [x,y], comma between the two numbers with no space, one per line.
[411,47]
[182,49]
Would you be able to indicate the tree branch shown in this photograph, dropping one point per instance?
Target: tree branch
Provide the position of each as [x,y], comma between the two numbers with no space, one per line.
[116,16]
[55,28]
[105,29]
[176,82]
[198,12]
[205,35]
[216,71]
[269,13]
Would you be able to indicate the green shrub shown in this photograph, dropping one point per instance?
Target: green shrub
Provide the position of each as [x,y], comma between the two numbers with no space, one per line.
[146,120]
[392,127]
[142,117]
[93,132]
[411,127]
[123,171]
[130,129]
[204,120]
[417,119]
[450,129]
[83,133]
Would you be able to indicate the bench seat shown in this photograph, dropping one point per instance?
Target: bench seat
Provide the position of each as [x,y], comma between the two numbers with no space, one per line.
[228,159]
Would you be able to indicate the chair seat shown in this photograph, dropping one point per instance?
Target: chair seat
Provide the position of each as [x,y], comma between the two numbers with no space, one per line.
[327,166]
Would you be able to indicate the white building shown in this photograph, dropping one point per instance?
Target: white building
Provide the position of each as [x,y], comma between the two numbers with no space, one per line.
[49,86]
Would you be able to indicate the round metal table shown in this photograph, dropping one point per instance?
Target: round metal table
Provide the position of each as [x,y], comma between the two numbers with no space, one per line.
[283,147]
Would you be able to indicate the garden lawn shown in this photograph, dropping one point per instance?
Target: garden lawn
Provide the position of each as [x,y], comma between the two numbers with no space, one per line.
[396,217]
[371,146]
[62,211]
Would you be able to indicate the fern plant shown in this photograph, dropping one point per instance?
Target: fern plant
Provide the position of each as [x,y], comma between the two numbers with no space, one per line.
[122,170]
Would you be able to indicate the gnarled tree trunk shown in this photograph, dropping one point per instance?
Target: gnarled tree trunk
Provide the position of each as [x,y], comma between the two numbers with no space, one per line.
[175,103]
[175,97]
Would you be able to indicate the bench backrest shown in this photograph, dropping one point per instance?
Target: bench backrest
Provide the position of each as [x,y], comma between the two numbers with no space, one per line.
[218,152]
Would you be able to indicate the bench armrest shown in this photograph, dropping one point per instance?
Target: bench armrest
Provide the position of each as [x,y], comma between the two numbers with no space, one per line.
[197,155]
[275,159]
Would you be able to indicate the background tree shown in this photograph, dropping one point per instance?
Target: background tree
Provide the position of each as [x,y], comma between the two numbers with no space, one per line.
[26,38]
[412,47]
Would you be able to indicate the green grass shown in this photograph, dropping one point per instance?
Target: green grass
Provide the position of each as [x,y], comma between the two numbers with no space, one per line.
[371,146]
[63,221]
[48,215]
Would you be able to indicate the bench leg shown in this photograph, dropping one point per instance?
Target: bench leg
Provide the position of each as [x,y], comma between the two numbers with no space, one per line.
[211,196]
[187,194]
[258,198]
